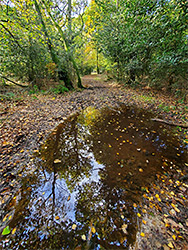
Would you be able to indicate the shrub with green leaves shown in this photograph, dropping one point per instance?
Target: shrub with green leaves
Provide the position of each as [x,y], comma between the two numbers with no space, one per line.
[60,89]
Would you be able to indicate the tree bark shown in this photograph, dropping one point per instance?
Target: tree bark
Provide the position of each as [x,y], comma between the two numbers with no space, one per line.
[55,59]
[66,45]
[69,19]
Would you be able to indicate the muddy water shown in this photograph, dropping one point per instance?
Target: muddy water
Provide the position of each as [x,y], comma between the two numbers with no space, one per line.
[89,175]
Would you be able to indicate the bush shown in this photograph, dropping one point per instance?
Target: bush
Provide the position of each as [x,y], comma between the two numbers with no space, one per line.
[34,90]
[60,89]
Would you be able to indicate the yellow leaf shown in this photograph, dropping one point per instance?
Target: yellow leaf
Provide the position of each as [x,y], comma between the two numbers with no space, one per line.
[144,222]
[124,228]
[57,161]
[68,199]
[142,234]
[13,230]
[170,245]
[4,219]
[74,226]
[138,214]
[174,237]
[134,205]
[93,230]
[57,217]
[83,237]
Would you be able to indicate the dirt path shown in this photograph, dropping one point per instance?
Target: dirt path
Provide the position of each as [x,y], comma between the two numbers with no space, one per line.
[26,123]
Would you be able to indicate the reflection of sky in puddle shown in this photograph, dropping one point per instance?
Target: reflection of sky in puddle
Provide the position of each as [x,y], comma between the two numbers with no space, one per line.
[63,198]
[104,161]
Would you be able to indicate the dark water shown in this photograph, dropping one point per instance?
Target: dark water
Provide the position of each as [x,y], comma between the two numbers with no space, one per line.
[90,172]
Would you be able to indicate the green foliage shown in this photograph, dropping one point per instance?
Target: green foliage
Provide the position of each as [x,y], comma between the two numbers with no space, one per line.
[34,90]
[7,96]
[60,89]
[144,38]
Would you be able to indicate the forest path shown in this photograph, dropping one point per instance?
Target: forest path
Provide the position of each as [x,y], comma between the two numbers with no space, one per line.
[25,124]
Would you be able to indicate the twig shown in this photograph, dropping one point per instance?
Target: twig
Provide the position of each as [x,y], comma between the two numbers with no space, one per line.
[171,123]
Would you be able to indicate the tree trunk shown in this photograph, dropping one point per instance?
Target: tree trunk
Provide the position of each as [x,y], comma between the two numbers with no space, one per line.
[66,45]
[69,20]
[98,72]
[55,59]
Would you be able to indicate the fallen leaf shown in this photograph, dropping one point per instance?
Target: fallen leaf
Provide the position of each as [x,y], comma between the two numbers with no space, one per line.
[170,245]
[134,205]
[174,237]
[83,237]
[142,234]
[124,228]
[6,230]
[13,230]
[68,199]
[57,161]
[74,226]
[57,217]
[93,230]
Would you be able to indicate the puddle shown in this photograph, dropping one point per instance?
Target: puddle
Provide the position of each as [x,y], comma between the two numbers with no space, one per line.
[90,173]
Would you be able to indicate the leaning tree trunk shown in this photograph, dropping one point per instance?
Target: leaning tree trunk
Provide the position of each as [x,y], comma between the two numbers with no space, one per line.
[66,46]
[62,72]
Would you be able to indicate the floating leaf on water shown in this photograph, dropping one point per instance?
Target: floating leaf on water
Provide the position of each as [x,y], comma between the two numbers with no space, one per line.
[57,161]
[68,199]
[74,226]
[93,230]
[13,230]
[83,237]
[6,230]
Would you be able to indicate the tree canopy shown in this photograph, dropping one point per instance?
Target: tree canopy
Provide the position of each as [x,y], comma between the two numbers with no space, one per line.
[131,40]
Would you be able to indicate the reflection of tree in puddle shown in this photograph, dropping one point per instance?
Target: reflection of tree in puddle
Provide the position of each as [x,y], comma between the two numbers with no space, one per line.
[90,172]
